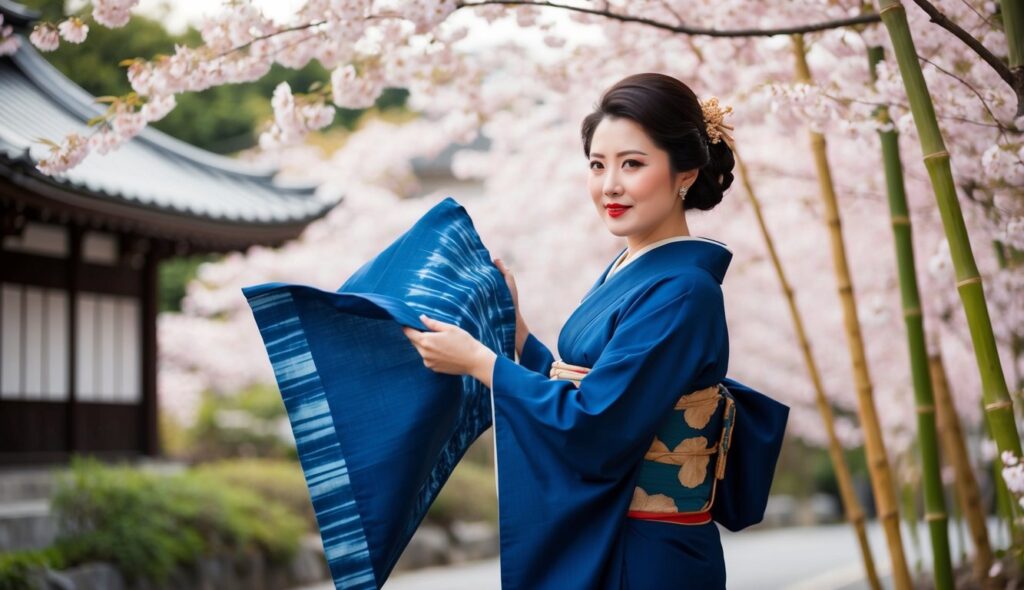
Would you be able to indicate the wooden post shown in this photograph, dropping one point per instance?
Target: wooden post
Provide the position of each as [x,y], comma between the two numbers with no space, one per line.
[150,434]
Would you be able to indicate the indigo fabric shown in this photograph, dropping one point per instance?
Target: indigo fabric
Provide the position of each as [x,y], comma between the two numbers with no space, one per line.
[742,494]
[378,433]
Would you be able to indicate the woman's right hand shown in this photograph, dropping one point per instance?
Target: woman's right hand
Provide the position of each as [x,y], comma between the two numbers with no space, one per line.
[521,330]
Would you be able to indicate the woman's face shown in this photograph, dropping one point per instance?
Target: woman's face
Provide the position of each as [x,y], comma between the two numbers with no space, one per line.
[627,169]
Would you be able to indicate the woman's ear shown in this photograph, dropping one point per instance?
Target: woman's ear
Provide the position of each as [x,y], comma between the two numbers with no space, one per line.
[686,178]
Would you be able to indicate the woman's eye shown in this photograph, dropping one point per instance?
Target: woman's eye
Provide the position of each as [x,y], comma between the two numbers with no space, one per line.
[636,163]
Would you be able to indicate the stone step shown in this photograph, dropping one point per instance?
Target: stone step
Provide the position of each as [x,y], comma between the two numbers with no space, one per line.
[26,525]
[26,483]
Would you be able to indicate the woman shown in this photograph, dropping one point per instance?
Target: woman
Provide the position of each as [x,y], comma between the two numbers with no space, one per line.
[608,460]
[610,463]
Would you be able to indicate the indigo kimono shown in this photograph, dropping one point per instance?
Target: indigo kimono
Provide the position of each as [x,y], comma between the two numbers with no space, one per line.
[378,433]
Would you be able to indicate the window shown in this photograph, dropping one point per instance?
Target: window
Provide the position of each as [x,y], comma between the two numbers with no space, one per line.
[109,348]
[34,343]
[34,346]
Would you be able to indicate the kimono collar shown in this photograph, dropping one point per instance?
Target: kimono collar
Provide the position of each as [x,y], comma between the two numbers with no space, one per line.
[711,255]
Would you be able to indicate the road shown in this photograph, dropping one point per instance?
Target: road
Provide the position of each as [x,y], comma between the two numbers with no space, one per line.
[794,558]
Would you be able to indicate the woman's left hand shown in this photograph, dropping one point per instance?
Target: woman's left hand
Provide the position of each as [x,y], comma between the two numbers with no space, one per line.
[449,349]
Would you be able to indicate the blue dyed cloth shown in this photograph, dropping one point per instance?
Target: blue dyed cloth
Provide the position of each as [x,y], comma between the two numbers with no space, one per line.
[378,433]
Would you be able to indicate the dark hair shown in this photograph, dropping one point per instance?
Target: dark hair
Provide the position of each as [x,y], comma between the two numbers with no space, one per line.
[671,116]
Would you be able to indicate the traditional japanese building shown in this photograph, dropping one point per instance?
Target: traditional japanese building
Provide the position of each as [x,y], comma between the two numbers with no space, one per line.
[79,254]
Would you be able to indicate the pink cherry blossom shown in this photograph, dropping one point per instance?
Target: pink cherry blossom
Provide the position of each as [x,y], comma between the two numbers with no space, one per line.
[528,106]
[45,37]
[64,156]
[113,13]
[73,30]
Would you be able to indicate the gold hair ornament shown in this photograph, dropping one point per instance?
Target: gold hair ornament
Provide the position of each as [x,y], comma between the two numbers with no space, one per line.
[714,121]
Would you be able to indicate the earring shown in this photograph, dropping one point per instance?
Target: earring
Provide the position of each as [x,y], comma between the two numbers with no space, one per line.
[682,192]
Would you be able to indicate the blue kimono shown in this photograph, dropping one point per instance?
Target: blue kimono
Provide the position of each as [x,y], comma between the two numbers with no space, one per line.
[654,331]
[378,433]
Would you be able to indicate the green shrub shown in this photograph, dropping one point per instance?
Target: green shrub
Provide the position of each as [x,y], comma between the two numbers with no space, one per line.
[16,567]
[278,480]
[147,524]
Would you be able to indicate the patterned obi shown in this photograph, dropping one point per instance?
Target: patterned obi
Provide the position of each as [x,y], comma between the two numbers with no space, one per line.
[686,459]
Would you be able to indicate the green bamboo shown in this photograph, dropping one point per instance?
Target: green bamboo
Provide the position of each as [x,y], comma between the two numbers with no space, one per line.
[995,395]
[1013,25]
[882,484]
[968,494]
[851,505]
[931,479]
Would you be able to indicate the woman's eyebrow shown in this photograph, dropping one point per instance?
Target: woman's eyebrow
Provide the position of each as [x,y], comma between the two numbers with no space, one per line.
[597,155]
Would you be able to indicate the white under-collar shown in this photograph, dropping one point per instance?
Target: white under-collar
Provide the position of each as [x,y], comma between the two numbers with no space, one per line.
[619,265]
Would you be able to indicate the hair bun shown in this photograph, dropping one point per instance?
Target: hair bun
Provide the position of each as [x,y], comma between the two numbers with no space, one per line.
[714,178]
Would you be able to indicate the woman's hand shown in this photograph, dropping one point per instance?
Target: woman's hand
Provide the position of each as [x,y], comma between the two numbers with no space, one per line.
[449,349]
[521,330]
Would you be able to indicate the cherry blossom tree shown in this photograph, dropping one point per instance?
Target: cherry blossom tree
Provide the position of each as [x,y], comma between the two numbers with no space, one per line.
[534,211]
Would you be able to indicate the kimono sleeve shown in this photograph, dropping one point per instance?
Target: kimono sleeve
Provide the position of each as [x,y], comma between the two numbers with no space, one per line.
[672,339]
[536,356]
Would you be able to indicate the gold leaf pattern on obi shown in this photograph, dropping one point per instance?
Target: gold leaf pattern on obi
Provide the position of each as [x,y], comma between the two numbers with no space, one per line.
[656,451]
[694,467]
[699,406]
[651,503]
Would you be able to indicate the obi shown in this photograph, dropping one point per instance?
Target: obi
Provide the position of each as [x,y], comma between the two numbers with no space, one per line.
[686,459]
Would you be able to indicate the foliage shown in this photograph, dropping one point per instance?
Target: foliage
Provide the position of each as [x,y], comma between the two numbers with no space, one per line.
[17,566]
[147,524]
[277,480]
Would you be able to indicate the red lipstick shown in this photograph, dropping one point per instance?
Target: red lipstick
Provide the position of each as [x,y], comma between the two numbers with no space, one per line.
[615,209]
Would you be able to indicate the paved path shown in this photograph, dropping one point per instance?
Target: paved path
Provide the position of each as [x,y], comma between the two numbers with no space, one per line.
[795,558]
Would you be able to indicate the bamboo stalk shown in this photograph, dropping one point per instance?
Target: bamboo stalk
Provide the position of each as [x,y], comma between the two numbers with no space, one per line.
[1012,12]
[851,505]
[882,483]
[1013,24]
[931,479]
[995,395]
[955,451]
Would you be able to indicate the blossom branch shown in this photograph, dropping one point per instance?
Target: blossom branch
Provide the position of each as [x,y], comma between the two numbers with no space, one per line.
[862,19]
[845,100]
[1014,78]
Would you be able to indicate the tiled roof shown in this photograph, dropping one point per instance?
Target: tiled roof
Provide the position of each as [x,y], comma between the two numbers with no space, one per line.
[153,171]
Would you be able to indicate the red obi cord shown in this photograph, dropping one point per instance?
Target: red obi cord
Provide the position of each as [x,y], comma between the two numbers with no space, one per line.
[683,518]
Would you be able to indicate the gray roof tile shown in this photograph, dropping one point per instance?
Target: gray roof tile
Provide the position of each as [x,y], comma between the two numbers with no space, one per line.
[153,170]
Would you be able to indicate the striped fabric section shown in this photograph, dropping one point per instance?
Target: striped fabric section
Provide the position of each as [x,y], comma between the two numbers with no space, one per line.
[378,434]
[323,463]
